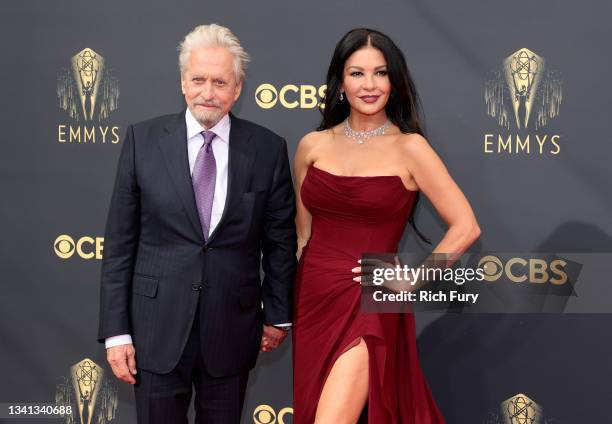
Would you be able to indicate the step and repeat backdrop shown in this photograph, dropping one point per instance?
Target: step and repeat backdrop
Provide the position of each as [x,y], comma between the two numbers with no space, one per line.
[535,166]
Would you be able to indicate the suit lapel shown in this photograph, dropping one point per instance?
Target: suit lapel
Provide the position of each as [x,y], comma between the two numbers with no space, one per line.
[240,162]
[173,144]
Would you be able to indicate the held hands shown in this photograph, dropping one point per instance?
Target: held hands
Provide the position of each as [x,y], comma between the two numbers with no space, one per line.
[122,360]
[272,337]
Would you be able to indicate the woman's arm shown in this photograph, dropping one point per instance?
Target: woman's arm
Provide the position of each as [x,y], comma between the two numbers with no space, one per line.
[301,162]
[434,181]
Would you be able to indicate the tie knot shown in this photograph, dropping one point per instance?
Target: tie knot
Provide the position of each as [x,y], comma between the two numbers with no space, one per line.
[208,136]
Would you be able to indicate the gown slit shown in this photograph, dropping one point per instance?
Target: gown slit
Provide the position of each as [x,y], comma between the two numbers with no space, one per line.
[348,347]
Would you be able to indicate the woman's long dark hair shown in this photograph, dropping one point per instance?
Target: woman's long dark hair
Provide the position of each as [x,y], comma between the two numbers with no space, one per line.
[403,107]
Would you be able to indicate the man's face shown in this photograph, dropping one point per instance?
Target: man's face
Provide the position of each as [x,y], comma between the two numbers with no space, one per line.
[209,84]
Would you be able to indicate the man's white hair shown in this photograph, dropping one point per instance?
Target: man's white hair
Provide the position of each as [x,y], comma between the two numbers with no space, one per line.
[214,35]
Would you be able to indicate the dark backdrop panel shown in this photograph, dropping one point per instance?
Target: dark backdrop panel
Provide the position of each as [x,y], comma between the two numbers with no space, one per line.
[56,192]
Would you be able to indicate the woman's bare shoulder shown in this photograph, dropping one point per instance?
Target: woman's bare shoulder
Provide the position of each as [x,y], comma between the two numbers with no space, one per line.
[414,145]
[412,141]
[314,139]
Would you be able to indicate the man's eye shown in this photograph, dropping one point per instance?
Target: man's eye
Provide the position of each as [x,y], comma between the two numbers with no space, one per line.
[220,83]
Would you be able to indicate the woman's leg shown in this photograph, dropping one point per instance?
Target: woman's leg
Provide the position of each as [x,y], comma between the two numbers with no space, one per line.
[345,391]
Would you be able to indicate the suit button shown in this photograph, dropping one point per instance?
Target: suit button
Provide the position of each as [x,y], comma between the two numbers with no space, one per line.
[206,248]
[196,287]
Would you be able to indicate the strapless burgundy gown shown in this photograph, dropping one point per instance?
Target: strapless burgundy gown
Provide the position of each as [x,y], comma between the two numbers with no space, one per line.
[351,216]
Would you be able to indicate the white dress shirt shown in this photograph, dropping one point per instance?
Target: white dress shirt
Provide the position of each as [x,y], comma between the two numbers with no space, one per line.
[220,146]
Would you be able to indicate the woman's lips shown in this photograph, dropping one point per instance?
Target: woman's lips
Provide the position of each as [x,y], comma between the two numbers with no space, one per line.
[369,99]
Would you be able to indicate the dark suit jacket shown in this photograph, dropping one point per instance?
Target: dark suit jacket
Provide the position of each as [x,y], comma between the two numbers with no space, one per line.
[156,263]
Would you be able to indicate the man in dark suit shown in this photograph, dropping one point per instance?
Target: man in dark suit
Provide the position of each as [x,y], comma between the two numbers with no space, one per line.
[201,199]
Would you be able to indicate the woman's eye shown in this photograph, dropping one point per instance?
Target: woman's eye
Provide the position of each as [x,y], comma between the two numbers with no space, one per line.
[356,73]
[382,73]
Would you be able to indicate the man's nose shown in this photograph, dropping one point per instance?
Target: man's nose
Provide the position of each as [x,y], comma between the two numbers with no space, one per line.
[207,91]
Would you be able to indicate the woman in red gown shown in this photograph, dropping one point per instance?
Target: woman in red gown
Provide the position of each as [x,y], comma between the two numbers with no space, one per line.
[357,181]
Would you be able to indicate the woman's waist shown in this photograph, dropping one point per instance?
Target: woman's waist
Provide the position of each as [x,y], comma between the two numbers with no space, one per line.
[341,247]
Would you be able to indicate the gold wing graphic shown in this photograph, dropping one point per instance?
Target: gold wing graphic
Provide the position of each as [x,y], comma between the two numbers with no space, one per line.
[63,396]
[110,96]
[495,94]
[67,94]
[549,99]
[107,403]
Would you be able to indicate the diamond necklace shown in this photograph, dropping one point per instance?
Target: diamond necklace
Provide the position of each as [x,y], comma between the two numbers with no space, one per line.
[361,136]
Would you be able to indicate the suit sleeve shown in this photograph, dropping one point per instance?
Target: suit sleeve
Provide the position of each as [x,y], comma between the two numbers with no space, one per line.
[120,245]
[279,244]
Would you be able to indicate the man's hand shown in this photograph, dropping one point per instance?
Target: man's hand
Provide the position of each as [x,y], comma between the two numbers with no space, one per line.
[271,338]
[122,360]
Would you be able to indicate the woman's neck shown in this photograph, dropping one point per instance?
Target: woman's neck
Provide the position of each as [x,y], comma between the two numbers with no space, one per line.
[360,122]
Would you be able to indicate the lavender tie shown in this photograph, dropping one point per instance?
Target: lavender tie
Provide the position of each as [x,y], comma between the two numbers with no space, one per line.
[204,177]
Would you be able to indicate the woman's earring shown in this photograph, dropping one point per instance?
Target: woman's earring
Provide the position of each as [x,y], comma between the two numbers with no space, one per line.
[341,96]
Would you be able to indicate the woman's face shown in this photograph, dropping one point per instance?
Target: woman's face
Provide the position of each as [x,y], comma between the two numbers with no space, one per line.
[366,83]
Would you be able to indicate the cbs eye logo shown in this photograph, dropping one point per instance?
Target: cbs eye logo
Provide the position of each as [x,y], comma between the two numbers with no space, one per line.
[85,247]
[265,414]
[519,270]
[290,96]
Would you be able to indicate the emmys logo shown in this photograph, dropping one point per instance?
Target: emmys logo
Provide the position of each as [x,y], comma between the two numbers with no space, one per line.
[88,92]
[290,96]
[265,414]
[523,95]
[93,397]
[520,409]
[85,247]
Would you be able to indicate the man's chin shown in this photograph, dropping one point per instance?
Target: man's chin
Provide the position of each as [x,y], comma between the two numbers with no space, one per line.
[207,118]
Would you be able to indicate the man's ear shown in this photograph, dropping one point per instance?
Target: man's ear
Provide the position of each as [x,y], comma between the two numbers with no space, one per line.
[183,84]
[238,91]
